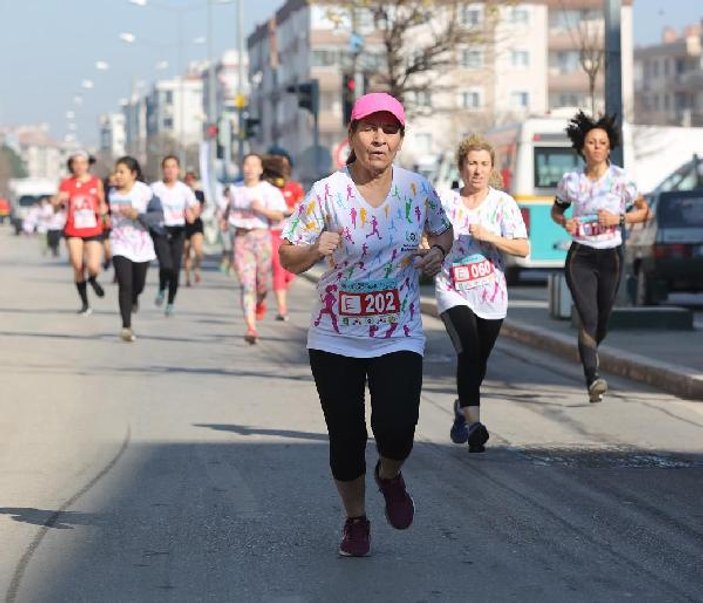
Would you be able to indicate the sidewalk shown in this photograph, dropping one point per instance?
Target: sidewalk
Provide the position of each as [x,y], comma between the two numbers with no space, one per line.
[668,360]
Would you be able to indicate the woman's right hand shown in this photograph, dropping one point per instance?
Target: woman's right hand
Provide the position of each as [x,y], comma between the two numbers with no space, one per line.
[571,225]
[328,243]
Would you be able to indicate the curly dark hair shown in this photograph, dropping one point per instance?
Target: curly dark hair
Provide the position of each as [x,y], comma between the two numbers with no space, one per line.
[580,124]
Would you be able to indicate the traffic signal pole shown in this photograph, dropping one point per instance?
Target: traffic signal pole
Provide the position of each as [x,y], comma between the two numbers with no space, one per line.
[613,69]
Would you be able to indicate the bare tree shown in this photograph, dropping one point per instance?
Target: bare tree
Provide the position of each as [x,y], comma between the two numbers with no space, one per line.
[421,40]
[587,32]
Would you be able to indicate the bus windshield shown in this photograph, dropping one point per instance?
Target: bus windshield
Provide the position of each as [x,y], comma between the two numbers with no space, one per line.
[551,163]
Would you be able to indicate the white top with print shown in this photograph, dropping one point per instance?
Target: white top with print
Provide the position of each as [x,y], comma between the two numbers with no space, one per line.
[175,200]
[614,191]
[368,301]
[473,271]
[130,238]
[239,203]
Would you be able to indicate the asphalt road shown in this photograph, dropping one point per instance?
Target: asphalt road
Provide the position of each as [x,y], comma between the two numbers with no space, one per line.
[191,467]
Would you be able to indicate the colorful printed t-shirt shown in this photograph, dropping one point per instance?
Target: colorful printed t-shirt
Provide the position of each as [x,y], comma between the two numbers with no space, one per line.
[293,193]
[473,271]
[175,200]
[614,191]
[238,206]
[82,207]
[368,301]
[130,238]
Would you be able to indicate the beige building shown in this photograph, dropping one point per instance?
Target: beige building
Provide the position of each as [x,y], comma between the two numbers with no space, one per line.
[669,79]
[529,63]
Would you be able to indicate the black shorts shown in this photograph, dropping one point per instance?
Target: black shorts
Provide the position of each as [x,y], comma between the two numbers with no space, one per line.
[195,227]
[95,238]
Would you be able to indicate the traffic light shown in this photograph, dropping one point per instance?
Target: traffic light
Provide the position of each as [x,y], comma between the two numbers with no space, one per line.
[211,131]
[308,95]
[251,127]
[348,96]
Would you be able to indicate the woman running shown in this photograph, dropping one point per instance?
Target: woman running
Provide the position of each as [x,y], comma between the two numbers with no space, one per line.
[180,207]
[605,199]
[135,210]
[471,291]
[366,323]
[251,208]
[193,248]
[279,167]
[83,198]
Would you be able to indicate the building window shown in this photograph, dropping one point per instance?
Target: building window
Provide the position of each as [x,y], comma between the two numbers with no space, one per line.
[566,61]
[520,58]
[423,144]
[168,97]
[168,123]
[655,68]
[422,98]
[325,58]
[518,15]
[667,102]
[470,99]
[568,99]
[470,15]
[519,100]
[471,59]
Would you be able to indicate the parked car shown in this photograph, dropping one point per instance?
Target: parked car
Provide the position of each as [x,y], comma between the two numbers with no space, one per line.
[24,193]
[665,254]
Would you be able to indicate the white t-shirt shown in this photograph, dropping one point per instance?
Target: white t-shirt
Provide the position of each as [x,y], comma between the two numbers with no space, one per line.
[368,301]
[130,238]
[614,191]
[239,203]
[473,271]
[175,200]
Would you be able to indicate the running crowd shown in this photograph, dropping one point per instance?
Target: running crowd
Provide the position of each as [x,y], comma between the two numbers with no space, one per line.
[377,227]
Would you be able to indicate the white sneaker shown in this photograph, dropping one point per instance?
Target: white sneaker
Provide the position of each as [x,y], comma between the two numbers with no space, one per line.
[597,389]
[127,335]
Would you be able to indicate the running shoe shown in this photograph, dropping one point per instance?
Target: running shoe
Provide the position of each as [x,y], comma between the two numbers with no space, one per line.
[400,508]
[169,310]
[260,310]
[478,436]
[251,336]
[160,296]
[597,389]
[85,311]
[97,287]
[127,335]
[356,541]
[459,433]
[282,317]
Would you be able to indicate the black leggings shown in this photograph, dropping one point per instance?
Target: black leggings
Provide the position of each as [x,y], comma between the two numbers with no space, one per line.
[169,251]
[395,382]
[593,276]
[473,338]
[131,277]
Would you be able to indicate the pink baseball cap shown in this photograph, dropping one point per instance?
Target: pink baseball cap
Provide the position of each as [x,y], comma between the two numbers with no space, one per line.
[376,102]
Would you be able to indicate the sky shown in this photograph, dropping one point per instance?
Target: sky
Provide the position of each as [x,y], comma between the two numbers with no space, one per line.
[49,47]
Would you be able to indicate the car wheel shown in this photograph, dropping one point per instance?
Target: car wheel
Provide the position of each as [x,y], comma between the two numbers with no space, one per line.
[644,290]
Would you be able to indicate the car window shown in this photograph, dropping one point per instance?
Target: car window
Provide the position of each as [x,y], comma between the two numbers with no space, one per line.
[681,212]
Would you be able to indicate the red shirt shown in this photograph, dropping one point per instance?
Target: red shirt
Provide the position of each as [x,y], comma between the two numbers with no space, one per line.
[293,193]
[82,207]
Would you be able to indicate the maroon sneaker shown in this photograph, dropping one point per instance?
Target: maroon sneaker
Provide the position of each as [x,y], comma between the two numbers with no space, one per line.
[400,508]
[356,541]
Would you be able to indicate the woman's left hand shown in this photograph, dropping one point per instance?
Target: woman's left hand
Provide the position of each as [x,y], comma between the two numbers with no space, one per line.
[608,219]
[129,212]
[480,233]
[430,261]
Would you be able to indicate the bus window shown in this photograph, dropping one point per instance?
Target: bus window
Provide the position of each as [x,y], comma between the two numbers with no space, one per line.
[551,163]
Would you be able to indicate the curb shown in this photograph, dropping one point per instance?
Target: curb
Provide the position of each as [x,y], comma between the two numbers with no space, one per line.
[661,375]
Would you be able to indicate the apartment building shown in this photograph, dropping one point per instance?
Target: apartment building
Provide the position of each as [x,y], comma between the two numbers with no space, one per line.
[529,61]
[113,136]
[669,79]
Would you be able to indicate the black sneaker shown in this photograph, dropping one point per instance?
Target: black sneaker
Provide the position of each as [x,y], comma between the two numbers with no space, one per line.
[478,436]
[97,287]
[459,432]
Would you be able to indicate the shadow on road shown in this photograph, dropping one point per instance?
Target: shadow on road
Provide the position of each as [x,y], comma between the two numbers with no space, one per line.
[282,433]
[64,520]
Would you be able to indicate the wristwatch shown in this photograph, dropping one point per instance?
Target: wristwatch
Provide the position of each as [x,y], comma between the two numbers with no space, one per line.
[622,220]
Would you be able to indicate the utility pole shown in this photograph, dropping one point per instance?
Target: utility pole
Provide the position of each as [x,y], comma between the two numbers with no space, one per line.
[240,83]
[181,83]
[613,69]
[212,101]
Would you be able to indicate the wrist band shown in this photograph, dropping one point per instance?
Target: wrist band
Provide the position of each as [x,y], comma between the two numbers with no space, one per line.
[622,219]
[438,246]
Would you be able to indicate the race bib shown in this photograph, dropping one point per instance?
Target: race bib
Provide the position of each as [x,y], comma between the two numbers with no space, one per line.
[369,302]
[589,228]
[84,218]
[173,215]
[471,272]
